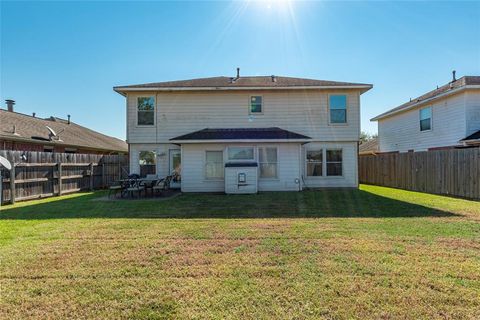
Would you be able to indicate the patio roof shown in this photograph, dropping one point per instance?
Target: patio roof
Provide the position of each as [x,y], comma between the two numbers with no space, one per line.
[241,134]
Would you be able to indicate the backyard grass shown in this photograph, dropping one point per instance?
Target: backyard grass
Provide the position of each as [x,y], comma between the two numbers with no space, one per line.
[371,253]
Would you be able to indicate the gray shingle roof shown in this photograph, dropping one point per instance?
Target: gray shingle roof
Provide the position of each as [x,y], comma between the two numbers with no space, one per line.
[248,81]
[71,134]
[367,147]
[462,82]
[474,136]
[273,133]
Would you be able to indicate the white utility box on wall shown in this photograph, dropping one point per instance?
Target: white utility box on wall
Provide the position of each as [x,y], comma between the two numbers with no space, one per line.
[241,177]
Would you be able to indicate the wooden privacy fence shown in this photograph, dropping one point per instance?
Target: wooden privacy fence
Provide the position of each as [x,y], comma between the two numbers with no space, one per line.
[46,174]
[453,172]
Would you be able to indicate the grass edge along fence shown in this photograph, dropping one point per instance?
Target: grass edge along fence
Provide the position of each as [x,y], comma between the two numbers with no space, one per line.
[454,172]
[45,174]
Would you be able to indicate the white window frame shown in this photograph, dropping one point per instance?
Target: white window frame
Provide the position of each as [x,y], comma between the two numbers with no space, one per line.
[250,101]
[307,162]
[154,111]
[277,175]
[240,160]
[420,119]
[346,110]
[326,163]
[205,166]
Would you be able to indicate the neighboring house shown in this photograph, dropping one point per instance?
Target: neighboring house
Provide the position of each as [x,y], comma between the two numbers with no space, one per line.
[297,132]
[29,133]
[447,117]
[368,147]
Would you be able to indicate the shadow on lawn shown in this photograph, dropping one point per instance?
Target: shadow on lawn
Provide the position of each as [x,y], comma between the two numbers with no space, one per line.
[307,204]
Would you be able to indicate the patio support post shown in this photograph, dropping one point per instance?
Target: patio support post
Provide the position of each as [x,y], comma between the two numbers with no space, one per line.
[103,174]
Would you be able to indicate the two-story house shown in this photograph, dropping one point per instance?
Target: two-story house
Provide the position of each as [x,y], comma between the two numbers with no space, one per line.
[296,132]
[447,117]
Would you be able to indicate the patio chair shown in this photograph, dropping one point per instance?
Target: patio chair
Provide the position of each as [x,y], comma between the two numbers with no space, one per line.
[135,186]
[162,184]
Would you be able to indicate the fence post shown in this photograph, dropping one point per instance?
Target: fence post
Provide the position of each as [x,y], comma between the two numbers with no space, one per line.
[12,184]
[59,166]
[103,174]
[91,176]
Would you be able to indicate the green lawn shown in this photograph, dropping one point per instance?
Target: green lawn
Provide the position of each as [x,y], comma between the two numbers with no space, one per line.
[369,253]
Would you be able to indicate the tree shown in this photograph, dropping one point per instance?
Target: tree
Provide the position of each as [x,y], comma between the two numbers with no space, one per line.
[365,136]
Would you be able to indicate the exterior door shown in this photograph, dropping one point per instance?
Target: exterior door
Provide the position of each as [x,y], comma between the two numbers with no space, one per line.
[175,165]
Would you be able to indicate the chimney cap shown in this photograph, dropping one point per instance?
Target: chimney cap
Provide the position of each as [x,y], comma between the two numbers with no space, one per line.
[10,103]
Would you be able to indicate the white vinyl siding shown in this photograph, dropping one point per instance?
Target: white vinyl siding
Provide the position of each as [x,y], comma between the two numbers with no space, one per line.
[162,158]
[304,112]
[472,105]
[288,168]
[401,132]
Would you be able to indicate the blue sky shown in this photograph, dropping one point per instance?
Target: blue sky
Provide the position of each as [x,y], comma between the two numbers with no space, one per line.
[60,58]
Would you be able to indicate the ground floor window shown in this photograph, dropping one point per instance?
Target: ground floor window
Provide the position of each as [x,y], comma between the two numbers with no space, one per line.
[268,161]
[315,163]
[334,162]
[214,164]
[147,162]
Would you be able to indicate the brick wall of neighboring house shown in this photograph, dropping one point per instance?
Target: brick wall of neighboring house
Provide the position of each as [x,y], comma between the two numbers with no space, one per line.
[25,146]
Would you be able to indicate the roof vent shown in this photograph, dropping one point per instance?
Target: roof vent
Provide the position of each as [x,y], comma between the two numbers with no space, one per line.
[33,114]
[454,78]
[274,79]
[14,132]
[10,104]
[68,121]
[238,73]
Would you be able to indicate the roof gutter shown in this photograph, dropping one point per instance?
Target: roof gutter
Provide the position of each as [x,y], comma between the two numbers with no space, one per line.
[240,141]
[122,90]
[457,90]
[55,143]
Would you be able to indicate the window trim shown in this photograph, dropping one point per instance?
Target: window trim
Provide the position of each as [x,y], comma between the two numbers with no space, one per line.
[205,178]
[277,176]
[330,123]
[249,104]
[326,162]
[241,160]
[154,112]
[420,118]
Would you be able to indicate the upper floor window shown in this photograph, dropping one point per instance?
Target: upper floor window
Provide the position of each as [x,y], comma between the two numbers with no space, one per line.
[241,153]
[256,104]
[267,157]
[338,108]
[426,119]
[146,111]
